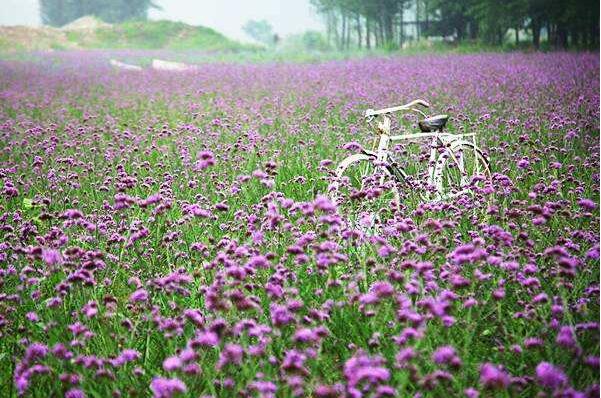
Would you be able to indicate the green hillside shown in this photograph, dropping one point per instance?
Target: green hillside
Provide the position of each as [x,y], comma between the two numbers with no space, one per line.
[131,34]
[155,35]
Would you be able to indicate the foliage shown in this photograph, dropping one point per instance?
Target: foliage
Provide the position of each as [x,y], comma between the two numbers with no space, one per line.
[313,40]
[309,41]
[61,12]
[261,31]
[391,22]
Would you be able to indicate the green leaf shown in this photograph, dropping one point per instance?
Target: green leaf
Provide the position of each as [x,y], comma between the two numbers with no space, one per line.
[27,203]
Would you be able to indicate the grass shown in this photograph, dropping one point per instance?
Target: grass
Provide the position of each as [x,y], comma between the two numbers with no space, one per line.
[160,35]
[145,35]
[155,138]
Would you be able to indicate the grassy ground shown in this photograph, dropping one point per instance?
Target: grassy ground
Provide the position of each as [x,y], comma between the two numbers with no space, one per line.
[126,35]
[179,216]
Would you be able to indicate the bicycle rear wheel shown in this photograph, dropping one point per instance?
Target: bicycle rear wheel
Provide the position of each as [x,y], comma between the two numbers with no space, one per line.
[365,192]
[461,169]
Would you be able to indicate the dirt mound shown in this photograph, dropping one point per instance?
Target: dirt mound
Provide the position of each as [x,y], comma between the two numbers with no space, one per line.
[14,38]
[87,22]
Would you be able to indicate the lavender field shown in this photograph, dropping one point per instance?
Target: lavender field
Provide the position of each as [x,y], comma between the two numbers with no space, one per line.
[169,234]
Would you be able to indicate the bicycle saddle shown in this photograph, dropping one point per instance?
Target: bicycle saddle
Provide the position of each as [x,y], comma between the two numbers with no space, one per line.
[433,123]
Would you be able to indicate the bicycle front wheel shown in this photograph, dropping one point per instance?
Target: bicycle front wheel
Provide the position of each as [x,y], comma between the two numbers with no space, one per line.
[364,192]
[461,169]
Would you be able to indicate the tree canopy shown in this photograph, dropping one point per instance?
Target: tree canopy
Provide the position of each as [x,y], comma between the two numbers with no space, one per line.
[261,31]
[61,12]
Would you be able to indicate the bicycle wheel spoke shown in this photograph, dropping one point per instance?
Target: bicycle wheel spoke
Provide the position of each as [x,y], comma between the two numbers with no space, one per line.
[365,194]
[456,172]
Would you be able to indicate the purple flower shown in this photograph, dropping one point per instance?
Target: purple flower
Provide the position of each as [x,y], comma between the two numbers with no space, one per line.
[404,356]
[323,391]
[593,253]
[72,214]
[139,295]
[75,393]
[493,377]
[258,262]
[565,337]
[166,388]
[324,204]
[382,289]
[531,342]
[305,335]
[265,388]
[294,362]
[52,257]
[364,369]
[35,351]
[205,159]
[188,355]
[280,315]
[32,316]
[231,354]
[592,361]
[446,355]
[550,376]
[127,355]
[172,363]
[523,163]
[207,338]
[587,204]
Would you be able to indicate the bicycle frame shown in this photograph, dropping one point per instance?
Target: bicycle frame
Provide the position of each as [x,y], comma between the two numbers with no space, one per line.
[385,139]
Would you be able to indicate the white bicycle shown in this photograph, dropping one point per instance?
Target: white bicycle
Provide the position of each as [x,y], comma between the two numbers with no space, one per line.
[373,182]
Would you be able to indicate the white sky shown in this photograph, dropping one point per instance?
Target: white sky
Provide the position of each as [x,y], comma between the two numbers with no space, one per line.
[225,16]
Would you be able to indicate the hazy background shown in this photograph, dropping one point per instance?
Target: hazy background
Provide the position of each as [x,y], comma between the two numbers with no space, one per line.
[293,29]
[225,16]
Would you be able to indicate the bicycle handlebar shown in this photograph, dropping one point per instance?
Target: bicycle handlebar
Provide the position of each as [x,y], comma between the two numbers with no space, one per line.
[371,112]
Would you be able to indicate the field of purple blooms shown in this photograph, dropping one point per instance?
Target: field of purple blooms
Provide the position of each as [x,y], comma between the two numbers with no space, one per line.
[167,234]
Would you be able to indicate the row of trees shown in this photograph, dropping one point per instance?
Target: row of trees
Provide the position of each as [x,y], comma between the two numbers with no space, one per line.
[61,12]
[389,23]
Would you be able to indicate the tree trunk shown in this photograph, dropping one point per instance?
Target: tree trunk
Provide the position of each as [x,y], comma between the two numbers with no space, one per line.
[348,34]
[376,36]
[335,30]
[536,34]
[417,24]
[401,31]
[328,28]
[473,30]
[342,39]
[460,32]
[388,34]
[367,34]
[427,16]
[562,37]
[517,35]
[575,36]
[359,33]
[550,34]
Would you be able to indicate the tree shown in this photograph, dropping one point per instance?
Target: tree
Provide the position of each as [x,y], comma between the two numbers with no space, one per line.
[261,31]
[455,18]
[61,12]
[567,22]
